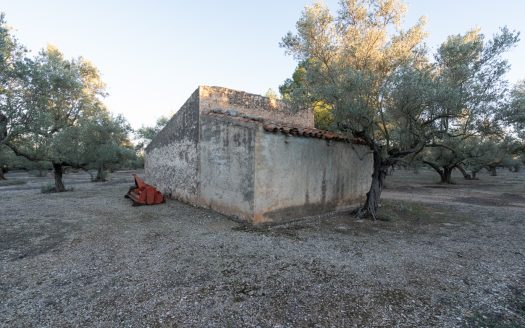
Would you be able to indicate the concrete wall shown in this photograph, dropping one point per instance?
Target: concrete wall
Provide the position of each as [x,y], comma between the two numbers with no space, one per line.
[227,151]
[235,167]
[297,177]
[247,103]
[171,160]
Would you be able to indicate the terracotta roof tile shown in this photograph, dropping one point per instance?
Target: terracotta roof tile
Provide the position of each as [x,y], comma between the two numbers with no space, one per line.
[287,129]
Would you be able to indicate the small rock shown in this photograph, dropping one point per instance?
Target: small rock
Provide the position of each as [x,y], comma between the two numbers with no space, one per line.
[232,112]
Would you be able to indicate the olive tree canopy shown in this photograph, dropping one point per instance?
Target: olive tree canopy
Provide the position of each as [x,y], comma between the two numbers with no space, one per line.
[373,75]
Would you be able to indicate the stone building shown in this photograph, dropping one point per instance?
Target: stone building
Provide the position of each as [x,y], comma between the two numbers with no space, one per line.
[255,159]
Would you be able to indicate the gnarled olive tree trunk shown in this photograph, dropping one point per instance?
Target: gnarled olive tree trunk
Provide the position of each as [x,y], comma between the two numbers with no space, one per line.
[466,175]
[373,196]
[58,170]
[445,172]
[3,135]
[101,174]
[492,171]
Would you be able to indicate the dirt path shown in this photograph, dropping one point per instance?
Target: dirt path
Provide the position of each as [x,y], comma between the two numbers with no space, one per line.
[439,258]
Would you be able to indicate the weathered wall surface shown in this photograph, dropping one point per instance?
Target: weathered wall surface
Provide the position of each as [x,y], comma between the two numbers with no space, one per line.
[297,177]
[232,165]
[250,104]
[171,160]
[226,166]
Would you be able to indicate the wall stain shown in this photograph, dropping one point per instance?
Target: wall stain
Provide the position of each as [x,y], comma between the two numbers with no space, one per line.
[323,187]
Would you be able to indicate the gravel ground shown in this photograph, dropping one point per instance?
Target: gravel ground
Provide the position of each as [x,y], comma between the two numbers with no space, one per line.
[447,256]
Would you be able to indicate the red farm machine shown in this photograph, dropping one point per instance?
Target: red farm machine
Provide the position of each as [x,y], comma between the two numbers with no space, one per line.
[144,194]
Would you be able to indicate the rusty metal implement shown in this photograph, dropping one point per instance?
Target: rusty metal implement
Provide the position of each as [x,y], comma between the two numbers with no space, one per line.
[143,193]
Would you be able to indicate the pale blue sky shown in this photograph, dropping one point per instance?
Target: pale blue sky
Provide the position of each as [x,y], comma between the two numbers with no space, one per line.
[153,54]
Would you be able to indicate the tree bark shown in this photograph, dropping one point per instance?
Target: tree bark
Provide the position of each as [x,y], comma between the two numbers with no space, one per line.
[3,127]
[445,172]
[100,174]
[492,170]
[373,196]
[474,175]
[464,172]
[59,183]
[446,175]
[3,169]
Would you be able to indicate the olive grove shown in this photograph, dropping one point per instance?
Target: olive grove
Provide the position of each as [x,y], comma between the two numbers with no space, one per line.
[51,110]
[380,84]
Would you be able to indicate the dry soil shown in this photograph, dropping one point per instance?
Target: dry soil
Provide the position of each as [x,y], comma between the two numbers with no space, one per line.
[441,255]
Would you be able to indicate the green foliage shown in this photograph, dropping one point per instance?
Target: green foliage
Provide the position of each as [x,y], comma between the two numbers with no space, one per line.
[355,63]
[381,86]
[323,117]
[515,117]
[15,116]
[9,159]
[51,110]
[515,114]
[97,142]
[293,85]
[146,133]
[61,93]
[348,62]
[470,71]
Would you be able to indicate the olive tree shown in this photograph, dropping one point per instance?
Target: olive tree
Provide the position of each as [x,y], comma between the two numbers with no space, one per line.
[60,93]
[15,114]
[374,75]
[146,133]
[5,158]
[100,142]
[515,114]
[51,111]
[471,70]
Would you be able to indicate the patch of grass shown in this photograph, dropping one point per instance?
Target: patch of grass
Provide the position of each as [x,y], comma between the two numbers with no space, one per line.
[398,210]
[410,212]
[47,189]
[11,182]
